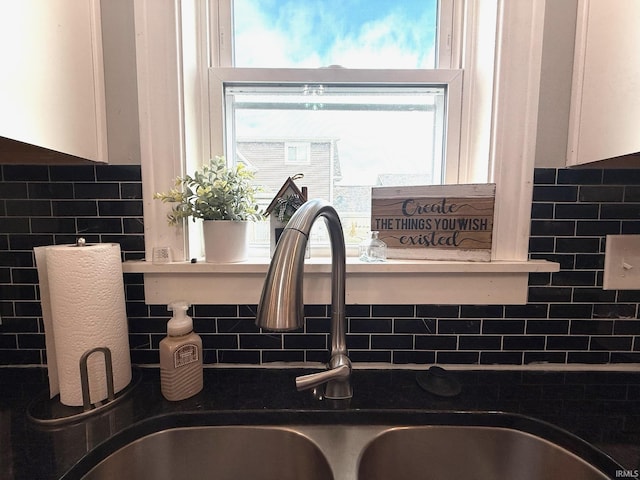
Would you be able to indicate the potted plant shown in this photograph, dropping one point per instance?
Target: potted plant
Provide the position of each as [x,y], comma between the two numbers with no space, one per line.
[224,198]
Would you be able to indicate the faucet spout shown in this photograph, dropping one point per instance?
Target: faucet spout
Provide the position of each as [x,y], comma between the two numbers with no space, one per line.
[281,304]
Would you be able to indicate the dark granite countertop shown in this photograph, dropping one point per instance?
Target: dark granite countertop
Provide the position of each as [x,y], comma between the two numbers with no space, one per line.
[601,408]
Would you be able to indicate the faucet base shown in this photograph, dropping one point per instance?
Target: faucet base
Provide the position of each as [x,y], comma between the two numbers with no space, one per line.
[338,390]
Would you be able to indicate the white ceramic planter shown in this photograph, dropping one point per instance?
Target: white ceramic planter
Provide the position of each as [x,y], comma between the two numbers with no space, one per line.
[225,241]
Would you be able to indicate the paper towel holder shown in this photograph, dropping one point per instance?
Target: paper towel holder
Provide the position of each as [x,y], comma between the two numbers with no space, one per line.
[84,376]
[52,412]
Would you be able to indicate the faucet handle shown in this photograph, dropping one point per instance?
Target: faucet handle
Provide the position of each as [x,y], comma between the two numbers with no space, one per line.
[312,380]
[337,380]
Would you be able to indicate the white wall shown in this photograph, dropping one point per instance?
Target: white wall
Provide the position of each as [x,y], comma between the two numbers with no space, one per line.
[118,37]
[555,83]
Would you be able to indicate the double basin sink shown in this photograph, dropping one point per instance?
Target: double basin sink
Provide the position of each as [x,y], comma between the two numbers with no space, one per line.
[464,446]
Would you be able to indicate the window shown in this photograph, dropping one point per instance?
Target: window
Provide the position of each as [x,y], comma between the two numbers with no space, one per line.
[498,135]
[498,122]
[296,153]
[376,113]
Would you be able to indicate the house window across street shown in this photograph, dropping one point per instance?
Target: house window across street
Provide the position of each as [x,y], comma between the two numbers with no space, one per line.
[297,153]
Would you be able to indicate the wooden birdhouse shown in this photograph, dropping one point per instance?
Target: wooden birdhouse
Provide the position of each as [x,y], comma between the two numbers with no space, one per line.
[288,199]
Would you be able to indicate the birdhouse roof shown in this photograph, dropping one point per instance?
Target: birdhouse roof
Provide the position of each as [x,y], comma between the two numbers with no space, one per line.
[288,186]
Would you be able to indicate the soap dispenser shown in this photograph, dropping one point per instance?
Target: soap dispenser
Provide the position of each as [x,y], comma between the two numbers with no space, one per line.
[180,356]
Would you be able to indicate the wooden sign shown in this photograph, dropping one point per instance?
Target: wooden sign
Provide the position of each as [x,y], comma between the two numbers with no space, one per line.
[436,222]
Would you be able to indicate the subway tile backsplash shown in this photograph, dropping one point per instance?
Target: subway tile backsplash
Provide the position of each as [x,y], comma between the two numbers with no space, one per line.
[568,317]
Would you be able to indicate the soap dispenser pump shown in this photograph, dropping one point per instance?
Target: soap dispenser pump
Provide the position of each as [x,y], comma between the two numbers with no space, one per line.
[181,373]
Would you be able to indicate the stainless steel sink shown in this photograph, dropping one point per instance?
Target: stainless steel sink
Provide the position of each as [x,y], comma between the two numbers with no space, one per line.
[478,453]
[234,452]
[429,446]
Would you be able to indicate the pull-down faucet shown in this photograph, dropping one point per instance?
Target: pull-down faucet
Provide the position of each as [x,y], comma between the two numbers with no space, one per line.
[281,305]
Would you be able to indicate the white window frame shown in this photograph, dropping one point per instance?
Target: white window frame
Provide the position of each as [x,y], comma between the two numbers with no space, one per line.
[498,134]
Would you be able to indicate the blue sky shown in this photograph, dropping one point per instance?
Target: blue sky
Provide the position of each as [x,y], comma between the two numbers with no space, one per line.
[351,33]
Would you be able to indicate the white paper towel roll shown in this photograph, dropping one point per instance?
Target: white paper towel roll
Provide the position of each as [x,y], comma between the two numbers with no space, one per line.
[83,307]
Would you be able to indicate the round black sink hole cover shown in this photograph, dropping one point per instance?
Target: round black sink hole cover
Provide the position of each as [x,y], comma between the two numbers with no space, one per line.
[438,381]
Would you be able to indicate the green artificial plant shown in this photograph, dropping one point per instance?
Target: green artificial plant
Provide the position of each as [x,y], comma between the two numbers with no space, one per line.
[217,192]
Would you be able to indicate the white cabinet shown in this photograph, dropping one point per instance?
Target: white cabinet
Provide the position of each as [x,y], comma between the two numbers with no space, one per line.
[605,103]
[52,91]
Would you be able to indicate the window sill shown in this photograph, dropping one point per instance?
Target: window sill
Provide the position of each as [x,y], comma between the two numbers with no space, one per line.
[392,282]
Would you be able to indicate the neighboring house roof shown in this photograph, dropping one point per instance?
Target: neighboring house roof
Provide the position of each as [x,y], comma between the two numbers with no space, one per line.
[357,198]
[400,179]
[352,198]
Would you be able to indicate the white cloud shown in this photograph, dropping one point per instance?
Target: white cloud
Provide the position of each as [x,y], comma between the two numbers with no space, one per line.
[302,37]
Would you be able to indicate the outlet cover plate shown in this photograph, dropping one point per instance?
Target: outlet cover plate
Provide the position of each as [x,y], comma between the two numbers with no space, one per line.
[622,263]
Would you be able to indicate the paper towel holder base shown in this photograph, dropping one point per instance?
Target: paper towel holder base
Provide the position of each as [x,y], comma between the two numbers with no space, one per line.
[46,411]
